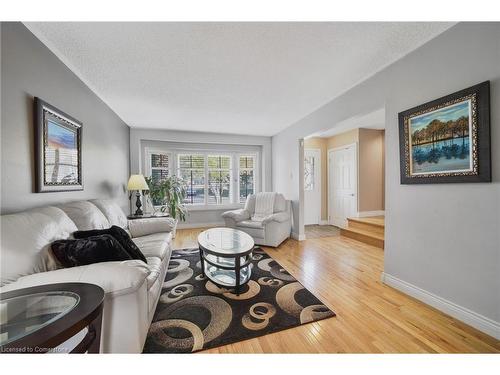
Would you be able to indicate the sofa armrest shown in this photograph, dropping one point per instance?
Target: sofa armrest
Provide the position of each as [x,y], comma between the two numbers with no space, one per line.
[116,278]
[237,215]
[280,217]
[143,227]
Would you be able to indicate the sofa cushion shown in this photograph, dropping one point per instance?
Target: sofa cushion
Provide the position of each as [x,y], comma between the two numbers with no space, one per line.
[89,250]
[112,211]
[26,238]
[120,235]
[237,215]
[250,204]
[85,215]
[145,226]
[279,203]
[253,232]
[154,265]
[250,224]
[116,278]
[154,245]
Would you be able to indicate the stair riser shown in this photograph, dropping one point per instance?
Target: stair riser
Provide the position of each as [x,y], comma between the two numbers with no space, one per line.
[363,238]
[366,226]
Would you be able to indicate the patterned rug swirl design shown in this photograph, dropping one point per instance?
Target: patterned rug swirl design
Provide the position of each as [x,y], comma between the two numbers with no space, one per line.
[194,314]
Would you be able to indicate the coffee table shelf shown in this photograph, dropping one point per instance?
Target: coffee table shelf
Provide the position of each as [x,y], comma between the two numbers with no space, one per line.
[226,256]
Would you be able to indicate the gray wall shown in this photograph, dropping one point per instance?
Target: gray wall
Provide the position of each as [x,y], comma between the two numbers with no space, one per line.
[141,138]
[29,69]
[444,239]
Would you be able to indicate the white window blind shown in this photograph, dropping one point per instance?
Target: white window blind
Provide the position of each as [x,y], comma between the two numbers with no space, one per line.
[219,179]
[246,176]
[160,165]
[191,168]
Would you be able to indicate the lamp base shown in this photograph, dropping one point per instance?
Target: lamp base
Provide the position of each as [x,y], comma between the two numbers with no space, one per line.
[138,204]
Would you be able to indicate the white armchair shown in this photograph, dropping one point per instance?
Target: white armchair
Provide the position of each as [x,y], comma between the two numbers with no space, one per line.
[272,230]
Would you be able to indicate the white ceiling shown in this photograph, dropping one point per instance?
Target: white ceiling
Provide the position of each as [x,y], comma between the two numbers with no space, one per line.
[244,78]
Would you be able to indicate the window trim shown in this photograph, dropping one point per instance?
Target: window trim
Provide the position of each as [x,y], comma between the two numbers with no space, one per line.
[235,173]
[256,173]
[149,166]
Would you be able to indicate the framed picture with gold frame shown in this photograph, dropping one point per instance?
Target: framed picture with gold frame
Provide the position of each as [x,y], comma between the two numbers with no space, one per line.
[448,139]
[58,149]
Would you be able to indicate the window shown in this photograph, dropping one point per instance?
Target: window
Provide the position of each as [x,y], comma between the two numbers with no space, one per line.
[309,173]
[219,179]
[191,168]
[246,177]
[213,177]
[160,165]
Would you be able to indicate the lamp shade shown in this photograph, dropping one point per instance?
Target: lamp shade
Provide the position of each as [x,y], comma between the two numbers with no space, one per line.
[137,182]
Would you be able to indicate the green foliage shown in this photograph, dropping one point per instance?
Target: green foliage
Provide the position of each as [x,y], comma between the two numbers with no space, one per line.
[437,130]
[170,194]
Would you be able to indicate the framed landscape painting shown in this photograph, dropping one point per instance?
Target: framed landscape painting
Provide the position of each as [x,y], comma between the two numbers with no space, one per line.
[58,139]
[448,139]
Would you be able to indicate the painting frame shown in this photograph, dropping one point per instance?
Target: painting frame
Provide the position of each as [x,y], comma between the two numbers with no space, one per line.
[478,141]
[47,119]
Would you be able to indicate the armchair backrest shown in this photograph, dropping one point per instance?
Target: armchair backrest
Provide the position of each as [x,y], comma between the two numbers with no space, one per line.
[280,203]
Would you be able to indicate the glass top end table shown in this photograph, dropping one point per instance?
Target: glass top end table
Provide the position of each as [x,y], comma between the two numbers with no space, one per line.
[42,319]
[23,315]
[226,256]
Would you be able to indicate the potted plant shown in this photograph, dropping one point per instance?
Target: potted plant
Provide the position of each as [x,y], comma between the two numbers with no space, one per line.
[167,196]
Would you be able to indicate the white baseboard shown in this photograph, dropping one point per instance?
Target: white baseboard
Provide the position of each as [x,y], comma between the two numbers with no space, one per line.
[371,213]
[323,222]
[199,225]
[463,314]
[298,237]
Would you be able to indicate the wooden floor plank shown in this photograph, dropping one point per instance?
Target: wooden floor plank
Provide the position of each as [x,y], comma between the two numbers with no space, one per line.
[371,317]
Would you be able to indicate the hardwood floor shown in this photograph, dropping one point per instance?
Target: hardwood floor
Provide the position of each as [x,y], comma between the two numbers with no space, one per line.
[371,317]
[319,231]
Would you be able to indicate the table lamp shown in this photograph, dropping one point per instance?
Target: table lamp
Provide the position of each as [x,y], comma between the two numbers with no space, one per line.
[137,183]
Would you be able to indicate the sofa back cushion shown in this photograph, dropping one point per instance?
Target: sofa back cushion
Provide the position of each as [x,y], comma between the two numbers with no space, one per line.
[250,204]
[85,215]
[279,203]
[112,211]
[26,239]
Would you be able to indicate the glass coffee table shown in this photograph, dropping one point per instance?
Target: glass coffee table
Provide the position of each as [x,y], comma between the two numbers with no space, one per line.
[41,319]
[226,256]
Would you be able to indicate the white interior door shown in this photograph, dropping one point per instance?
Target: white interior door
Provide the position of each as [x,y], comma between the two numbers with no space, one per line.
[342,184]
[312,186]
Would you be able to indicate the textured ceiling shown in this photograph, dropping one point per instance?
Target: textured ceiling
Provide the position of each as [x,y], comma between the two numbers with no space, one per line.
[246,78]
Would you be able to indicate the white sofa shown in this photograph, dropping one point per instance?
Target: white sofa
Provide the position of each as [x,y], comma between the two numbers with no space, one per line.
[132,288]
[271,231]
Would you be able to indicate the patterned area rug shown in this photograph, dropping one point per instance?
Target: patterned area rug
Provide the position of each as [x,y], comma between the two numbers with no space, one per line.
[194,314]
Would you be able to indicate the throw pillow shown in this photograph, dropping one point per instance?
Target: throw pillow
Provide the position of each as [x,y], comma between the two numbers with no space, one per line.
[96,249]
[120,235]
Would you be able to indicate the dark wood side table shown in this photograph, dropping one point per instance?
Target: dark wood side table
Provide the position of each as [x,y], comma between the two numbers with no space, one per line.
[147,216]
[40,318]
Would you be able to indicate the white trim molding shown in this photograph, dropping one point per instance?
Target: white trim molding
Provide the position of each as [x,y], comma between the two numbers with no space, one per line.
[371,213]
[298,237]
[478,321]
[324,222]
